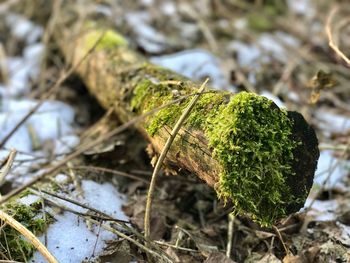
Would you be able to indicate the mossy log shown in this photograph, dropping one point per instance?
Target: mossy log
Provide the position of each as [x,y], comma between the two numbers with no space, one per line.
[257,157]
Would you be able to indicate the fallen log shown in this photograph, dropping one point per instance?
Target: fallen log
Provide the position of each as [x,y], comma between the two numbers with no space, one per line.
[258,157]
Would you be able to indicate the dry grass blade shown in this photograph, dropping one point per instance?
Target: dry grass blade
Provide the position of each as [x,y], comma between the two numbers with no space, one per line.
[111,171]
[231,220]
[7,165]
[162,156]
[9,261]
[29,235]
[331,41]
[103,216]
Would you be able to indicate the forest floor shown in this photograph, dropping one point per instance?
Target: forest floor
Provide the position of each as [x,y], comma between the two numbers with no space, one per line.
[293,52]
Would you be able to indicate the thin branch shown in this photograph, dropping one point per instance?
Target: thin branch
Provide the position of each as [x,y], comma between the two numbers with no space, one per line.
[7,166]
[111,171]
[162,156]
[29,235]
[331,41]
[281,239]
[103,216]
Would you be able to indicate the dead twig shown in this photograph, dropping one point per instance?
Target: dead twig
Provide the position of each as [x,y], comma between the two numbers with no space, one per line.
[106,170]
[281,239]
[7,164]
[99,214]
[331,41]
[29,235]
[162,156]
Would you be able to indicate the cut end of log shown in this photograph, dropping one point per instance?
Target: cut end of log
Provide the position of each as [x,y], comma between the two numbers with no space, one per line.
[268,157]
[305,159]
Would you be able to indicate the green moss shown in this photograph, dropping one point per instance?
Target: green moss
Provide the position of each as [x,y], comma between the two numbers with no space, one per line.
[30,217]
[251,138]
[110,39]
[149,95]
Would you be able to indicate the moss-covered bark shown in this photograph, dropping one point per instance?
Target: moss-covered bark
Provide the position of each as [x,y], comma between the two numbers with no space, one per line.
[242,145]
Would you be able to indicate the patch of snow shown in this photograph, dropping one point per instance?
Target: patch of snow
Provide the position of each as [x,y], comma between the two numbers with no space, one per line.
[345,233]
[275,44]
[104,197]
[32,56]
[333,169]
[147,37]
[168,8]
[20,140]
[23,29]
[322,210]
[61,178]
[247,55]
[65,144]
[331,122]
[195,64]
[147,2]
[302,7]
[29,199]
[272,97]
[287,39]
[69,238]
[240,23]
[22,70]
[293,96]
[51,121]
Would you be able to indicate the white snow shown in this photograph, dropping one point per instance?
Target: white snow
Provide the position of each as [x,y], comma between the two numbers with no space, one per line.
[51,121]
[331,169]
[247,55]
[196,64]
[330,122]
[149,38]
[302,7]
[322,210]
[272,97]
[29,199]
[168,8]
[65,144]
[22,70]
[23,29]
[69,238]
